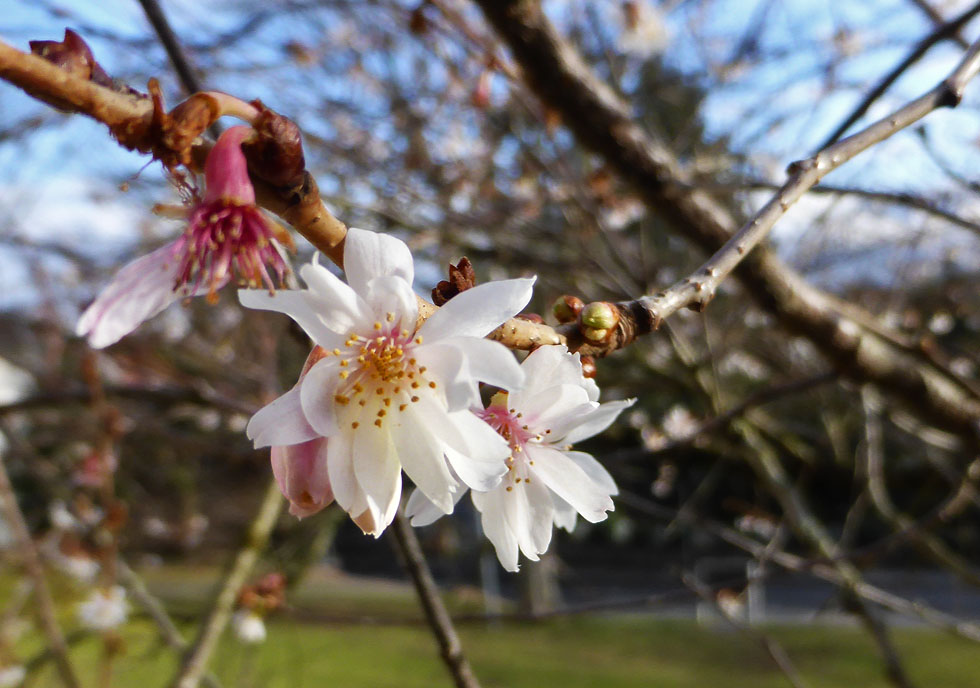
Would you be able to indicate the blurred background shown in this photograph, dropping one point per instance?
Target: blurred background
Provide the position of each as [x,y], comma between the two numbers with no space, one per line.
[416,123]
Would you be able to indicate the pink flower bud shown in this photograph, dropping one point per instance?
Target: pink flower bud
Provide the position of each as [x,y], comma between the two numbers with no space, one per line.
[301,471]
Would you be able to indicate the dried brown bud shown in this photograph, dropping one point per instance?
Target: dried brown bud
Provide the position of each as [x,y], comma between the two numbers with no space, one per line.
[73,55]
[531,317]
[566,308]
[276,153]
[588,366]
[461,278]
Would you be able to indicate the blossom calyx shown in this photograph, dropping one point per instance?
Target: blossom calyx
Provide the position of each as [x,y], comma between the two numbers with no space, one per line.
[598,320]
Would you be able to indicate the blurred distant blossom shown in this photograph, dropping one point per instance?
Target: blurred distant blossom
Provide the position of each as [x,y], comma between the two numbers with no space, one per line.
[248,627]
[644,30]
[104,610]
[226,234]
[387,394]
[12,675]
[546,483]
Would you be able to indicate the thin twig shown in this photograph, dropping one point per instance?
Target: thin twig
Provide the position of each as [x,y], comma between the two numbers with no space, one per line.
[947,30]
[874,459]
[158,20]
[32,563]
[153,608]
[196,658]
[775,651]
[450,647]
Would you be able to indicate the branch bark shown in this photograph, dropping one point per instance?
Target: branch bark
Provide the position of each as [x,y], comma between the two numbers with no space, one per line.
[857,345]
[450,647]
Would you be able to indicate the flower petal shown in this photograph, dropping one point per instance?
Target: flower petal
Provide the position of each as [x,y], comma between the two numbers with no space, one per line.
[496,527]
[475,451]
[317,390]
[368,255]
[550,408]
[486,361]
[340,470]
[548,366]
[567,479]
[378,472]
[391,294]
[295,304]
[565,513]
[139,291]
[423,512]
[596,471]
[333,301]
[301,471]
[478,311]
[597,420]
[281,422]
[422,458]
[446,366]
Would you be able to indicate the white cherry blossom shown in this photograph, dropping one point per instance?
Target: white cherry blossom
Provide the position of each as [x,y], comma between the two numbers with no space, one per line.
[104,610]
[389,394]
[546,483]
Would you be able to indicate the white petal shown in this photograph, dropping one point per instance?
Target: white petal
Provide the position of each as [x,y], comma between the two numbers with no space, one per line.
[564,476]
[548,366]
[487,361]
[423,512]
[281,422]
[541,514]
[368,255]
[295,304]
[558,405]
[565,513]
[495,526]
[378,472]
[340,469]
[478,311]
[139,291]
[447,367]
[422,458]
[597,420]
[333,301]
[596,471]
[392,294]
[475,451]
[317,390]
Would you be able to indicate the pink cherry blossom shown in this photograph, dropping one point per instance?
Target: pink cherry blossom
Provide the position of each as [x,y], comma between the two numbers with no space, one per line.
[226,234]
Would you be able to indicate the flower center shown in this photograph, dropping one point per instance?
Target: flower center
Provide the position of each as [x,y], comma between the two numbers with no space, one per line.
[379,376]
[511,425]
[224,237]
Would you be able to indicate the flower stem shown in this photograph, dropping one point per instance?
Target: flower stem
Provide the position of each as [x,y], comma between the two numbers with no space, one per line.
[450,647]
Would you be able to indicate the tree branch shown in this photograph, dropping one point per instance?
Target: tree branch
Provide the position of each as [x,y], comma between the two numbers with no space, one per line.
[196,658]
[450,647]
[858,346]
[42,594]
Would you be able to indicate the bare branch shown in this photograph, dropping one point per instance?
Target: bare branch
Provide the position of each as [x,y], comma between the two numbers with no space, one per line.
[42,594]
[450,647]
[195,661]
[851,339]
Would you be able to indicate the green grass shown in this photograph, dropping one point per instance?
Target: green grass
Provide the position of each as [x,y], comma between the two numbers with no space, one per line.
[569,653]
[611,652]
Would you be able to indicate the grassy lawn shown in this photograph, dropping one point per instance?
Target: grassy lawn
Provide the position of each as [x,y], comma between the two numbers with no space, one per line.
[612,652]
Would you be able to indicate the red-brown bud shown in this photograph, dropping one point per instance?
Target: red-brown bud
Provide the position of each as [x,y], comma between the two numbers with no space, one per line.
[566,308]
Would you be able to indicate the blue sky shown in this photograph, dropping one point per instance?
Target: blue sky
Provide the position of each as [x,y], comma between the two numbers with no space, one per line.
[75,156]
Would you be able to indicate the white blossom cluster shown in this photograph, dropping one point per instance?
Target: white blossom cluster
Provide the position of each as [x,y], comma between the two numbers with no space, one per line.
[384,393]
